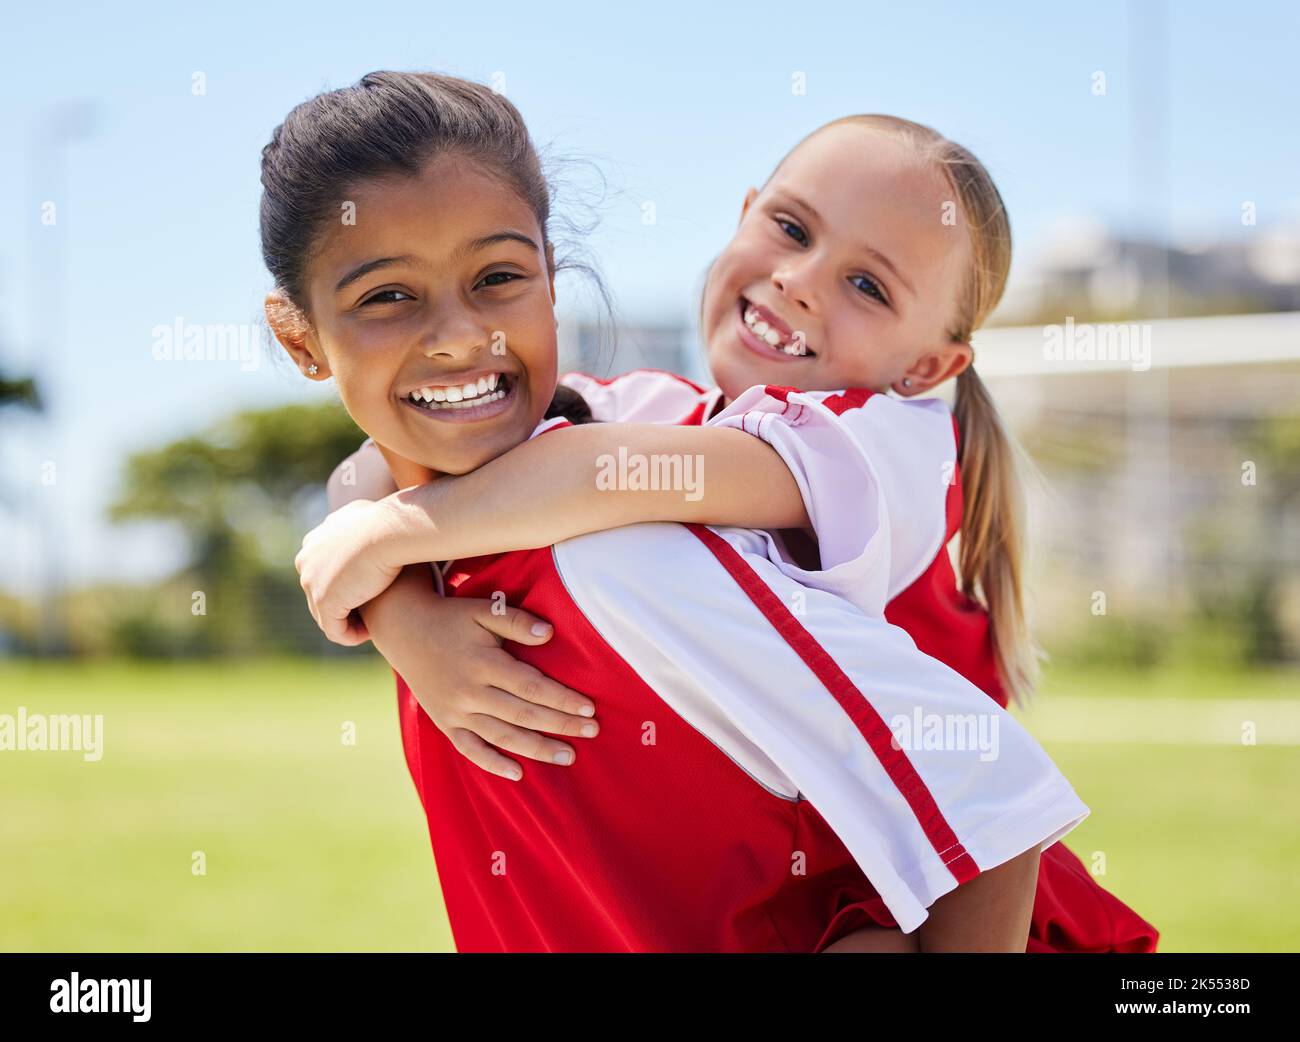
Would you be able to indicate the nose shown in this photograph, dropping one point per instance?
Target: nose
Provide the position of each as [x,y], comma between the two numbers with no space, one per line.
[453,333]
[795,280]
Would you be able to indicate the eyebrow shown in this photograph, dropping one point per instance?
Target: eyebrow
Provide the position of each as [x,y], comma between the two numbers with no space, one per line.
[803,204]
[362,270]
[482,243]
[473,246]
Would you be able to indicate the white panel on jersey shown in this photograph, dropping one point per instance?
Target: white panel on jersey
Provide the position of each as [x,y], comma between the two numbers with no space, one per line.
[662,601]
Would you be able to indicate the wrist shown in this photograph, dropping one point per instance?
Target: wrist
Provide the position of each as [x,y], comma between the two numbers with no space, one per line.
[408,603]
[407,533]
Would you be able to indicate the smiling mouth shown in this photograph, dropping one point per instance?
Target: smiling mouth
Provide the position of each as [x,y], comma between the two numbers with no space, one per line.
[485,397]
[485,389]
[765,333]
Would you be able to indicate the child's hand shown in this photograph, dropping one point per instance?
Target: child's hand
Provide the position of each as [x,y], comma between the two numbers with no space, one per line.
[339,568]
[448,650]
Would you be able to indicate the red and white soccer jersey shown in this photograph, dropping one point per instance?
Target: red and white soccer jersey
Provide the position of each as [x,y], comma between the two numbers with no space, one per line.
[856,455]
[883,490]
[646,396]
[761,774]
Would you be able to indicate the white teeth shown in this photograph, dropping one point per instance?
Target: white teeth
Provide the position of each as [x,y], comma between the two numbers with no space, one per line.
[464,403]
[770,335]
[462,395]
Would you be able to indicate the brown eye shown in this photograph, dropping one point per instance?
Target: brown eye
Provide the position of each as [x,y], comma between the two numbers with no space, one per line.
[501,277]
[386,296]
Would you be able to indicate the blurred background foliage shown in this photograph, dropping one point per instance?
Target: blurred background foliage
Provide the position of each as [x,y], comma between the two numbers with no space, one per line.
[242,493]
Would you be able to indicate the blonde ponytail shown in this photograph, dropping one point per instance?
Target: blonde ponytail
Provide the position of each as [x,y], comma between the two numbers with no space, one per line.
[993,532]
[993,524]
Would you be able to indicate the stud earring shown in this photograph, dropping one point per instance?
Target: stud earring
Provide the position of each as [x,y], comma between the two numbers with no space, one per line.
[907,381]
[311,369]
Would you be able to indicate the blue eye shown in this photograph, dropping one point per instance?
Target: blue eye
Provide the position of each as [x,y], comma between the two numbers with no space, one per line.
[793,231]
[870,287]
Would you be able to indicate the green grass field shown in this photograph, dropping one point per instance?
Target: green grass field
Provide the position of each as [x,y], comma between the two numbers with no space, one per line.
[313,844]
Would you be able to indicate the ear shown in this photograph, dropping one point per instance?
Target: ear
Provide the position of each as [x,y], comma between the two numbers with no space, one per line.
[295,335]
[934,367]
[750,196]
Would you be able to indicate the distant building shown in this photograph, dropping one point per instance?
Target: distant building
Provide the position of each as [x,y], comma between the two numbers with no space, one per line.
[1089,273]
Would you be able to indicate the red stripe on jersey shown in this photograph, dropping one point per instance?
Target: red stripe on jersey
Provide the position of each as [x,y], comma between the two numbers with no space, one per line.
[868,722]
[696,417]
[853,398]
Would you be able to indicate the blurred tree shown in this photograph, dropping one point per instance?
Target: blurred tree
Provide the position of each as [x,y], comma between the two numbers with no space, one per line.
[19,391]
[243,492]
[1275,443]
[15,616]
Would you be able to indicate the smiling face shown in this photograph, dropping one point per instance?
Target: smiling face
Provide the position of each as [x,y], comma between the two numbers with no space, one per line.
[434,313]
[843,272]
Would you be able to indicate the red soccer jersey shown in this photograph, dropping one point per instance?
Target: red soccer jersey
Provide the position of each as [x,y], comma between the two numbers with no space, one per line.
[663,843]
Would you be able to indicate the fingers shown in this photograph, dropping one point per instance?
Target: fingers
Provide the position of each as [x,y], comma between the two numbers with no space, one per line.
[311,603]
[521,741]
[353,633]
[339,627]
[532,685]
[510,709]
[514,624]
[477,751]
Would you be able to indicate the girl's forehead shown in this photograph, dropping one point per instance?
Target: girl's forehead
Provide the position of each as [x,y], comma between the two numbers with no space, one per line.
[428,215]
[447,192]
[862,165]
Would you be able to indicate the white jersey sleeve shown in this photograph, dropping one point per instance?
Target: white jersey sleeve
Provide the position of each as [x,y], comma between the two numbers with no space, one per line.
[923,777]
[875,473]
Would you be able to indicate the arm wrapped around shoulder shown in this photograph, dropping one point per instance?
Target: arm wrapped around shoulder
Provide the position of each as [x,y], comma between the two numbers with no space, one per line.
[877,475]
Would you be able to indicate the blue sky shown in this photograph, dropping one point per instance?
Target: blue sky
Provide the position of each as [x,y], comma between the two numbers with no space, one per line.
[681,104]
